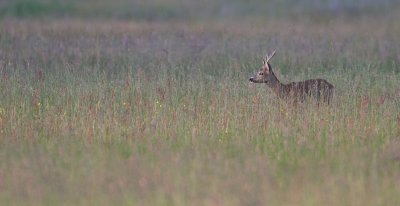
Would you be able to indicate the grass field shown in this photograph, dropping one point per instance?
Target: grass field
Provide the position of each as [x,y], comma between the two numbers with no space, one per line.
[110,111]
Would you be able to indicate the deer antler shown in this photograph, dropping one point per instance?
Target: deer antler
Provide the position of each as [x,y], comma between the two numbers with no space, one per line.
[267,58]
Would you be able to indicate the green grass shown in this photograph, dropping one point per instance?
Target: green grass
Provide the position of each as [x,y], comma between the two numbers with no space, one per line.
[117,113]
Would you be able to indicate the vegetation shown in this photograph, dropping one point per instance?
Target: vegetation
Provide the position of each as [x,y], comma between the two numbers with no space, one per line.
[114,112]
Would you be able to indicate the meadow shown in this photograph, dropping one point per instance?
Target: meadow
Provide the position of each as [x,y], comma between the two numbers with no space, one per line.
[113,111]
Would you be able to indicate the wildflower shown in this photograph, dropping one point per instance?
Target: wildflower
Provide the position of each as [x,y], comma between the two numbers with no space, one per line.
[283,110]
[158,104]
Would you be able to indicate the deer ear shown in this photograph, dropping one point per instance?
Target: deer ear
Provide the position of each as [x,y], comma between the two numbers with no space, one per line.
[266,67]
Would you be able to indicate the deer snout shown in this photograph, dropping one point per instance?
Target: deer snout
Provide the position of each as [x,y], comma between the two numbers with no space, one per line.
[251,79]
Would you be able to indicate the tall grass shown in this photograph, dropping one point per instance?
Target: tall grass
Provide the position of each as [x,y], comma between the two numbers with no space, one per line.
[100,113]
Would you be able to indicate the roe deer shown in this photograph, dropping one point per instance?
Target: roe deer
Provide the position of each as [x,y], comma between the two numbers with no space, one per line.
[318,89]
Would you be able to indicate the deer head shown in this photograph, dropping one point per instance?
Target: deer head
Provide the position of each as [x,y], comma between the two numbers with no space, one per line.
[265,75]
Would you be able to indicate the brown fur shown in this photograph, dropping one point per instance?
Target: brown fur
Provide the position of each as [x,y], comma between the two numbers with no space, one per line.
[317,89]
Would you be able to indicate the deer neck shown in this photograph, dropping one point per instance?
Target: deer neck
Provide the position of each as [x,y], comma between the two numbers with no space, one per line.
[275,85]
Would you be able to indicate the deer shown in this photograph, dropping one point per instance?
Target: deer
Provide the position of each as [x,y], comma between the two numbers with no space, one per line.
[319,90]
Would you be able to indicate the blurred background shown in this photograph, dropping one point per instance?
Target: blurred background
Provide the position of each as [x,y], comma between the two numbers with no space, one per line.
[184,10]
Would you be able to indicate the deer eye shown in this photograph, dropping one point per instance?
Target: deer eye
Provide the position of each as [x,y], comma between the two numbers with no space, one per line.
[261,73]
